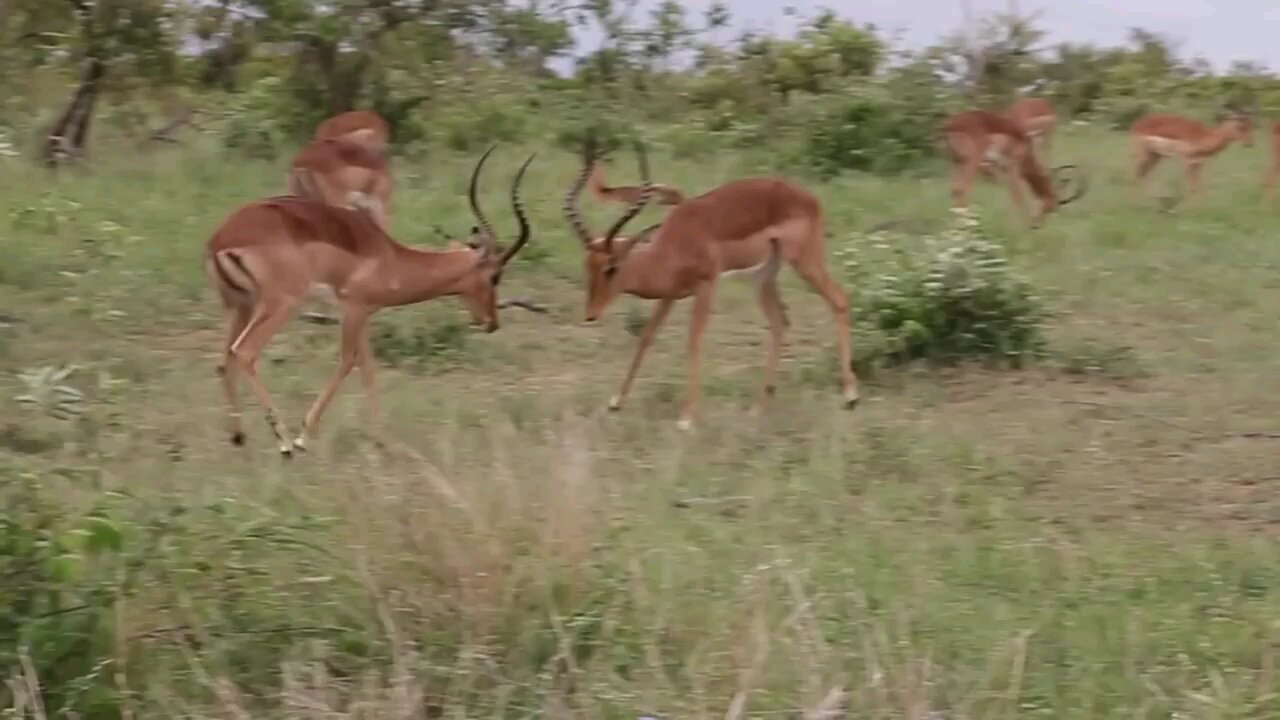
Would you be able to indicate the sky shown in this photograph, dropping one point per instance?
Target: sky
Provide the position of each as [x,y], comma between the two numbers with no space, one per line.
[1218,30]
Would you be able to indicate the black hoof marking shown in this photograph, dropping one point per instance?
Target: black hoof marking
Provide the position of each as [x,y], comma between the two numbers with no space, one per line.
[771,390]
[237,439]
[851,404]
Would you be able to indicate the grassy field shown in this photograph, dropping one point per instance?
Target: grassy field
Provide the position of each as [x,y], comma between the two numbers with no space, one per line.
[1093,536]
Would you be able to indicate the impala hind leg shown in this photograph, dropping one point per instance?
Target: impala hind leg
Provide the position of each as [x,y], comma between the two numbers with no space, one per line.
[1144,161]
[1194,185]
[775,311]
[266,321]
[811,269]
[1269,182]
[659,315]
[962,176]
[237,320]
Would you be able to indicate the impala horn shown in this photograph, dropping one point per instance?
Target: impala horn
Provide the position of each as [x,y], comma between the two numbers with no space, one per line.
[1064,176]
[646,195]
[570,207]
[490,237]
[518,208]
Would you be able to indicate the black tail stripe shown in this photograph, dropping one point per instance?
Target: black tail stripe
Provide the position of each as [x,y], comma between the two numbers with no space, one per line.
[225,276]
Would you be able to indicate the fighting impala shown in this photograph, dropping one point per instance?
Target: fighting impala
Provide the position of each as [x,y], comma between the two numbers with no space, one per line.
[1158,136]
[989,143]
[749,225]
[362,127]
[627,194]
[269,255]
[1037,119]
[344,174]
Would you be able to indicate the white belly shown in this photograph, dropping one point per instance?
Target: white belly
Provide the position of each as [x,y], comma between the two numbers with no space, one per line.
[322,293]
[1167,146]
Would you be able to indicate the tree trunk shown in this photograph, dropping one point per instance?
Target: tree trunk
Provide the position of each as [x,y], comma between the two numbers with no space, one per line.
[69,136]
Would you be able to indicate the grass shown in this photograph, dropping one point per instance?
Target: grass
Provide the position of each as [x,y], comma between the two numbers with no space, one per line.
[1091,537]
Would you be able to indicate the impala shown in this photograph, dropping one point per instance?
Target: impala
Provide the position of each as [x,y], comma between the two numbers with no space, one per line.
[269,255]
[665,194]
[744,225]
[1037,119]
[985,142]
[344,173]
[363,127]
[1158,136]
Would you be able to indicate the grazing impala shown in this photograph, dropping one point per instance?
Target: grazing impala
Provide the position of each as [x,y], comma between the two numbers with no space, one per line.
[1158,136]
[363,127]
[985,142]
[744,225]
[1273,172]
[1037,119]
[269,255]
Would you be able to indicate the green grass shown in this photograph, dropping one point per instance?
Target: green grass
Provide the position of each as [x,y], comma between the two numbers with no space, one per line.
[1090,537]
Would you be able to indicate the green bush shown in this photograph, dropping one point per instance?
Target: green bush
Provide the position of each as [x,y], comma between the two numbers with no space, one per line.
[486,122]
[954,299]
[61,580]
[882,127]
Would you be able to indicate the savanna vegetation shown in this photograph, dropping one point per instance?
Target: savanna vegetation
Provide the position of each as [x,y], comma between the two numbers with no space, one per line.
[1056,498]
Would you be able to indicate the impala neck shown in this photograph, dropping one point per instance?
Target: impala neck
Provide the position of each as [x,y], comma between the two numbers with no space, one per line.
[418,275]
[1220,138]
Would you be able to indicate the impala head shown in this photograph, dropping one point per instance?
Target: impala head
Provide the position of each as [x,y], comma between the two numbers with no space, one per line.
[606,255]
[479,288]
[1240,127]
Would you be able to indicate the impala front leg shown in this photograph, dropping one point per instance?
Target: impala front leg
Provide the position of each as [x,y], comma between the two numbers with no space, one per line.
[699,315]
[354,323]
[660,312]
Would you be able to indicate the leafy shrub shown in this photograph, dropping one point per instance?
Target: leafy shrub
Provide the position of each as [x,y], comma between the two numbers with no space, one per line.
[957,299]
[61,580]
[611,130]
[879,127]
[253,126]
[486,122]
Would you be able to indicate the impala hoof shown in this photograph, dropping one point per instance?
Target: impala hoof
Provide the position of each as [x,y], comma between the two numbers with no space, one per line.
[684,424]
[851,400]
[615,403]
[237,438]
[300,444]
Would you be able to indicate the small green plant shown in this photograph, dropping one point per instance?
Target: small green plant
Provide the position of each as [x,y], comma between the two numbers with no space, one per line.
[955,300]
[420,345]
[48,391]
[1095,357]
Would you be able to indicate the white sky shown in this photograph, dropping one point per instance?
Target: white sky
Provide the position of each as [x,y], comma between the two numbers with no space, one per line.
[1219,30]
